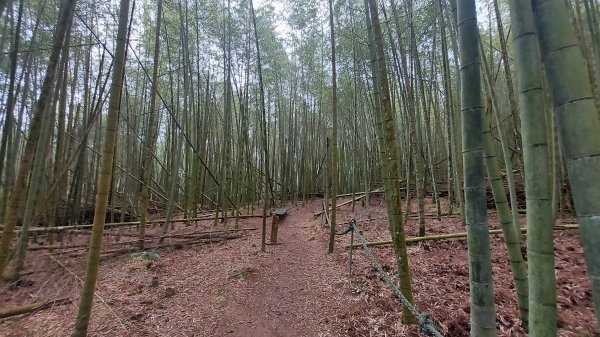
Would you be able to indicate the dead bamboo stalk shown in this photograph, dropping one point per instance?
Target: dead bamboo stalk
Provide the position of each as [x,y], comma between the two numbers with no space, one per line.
[164,245]
[125,224]
[362,192]
[450,236]
[64,266]
[347,202]
[27,308]
[183,235]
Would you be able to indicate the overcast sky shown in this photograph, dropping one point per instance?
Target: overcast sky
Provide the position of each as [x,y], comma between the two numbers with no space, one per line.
[283,29]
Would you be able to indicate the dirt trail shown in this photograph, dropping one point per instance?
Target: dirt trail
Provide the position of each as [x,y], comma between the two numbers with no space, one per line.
[227,289]
[297,290]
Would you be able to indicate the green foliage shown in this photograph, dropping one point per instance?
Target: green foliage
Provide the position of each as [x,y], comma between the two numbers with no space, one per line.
[239,274]
[145,255]
[217,293]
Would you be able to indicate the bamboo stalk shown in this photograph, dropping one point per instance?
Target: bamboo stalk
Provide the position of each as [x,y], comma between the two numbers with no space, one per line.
[327,221]
[150,238]
[347,202]
[354,194]
[452,236]
[27,308]
[162,245]
[124,224]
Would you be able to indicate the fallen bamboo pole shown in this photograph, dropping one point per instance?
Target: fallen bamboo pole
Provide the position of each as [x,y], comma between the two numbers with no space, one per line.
[434,215]
[183,235]
[347,202]
[96,293]
[125,224]
[355,193]
[450,236]
[27,308]
[164,245]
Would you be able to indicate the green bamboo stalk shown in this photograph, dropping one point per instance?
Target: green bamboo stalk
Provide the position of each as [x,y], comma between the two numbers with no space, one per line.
[384,117]
[455,122]
[451,182]
[489,86]
[514,107]
[104,177]
[39,162]
[334,135]
[267,180]
[577,121]
[55,198]
[512,237]
[483,316]
[227,112]
[538,184]
[7,128]
[15,204]
[150,138]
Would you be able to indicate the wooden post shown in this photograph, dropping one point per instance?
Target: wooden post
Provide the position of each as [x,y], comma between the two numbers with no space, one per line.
[274,228]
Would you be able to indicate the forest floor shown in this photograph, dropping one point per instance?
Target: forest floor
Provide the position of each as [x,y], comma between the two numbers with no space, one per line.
[229,288]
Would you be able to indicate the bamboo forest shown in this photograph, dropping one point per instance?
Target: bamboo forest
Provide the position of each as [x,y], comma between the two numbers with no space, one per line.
[277,168]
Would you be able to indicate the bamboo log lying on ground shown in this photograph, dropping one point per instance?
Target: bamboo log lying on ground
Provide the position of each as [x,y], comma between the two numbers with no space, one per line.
[164,245]
[196,235]
[434,215]
[125,224]
[347,202]
[64,266]
[358,193]
[451,236]
[27,308]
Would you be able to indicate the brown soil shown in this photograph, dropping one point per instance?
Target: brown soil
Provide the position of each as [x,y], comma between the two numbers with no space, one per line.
[229,288]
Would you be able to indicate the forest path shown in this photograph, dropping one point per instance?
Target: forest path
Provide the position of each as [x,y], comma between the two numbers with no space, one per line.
[296,289]
[220,289]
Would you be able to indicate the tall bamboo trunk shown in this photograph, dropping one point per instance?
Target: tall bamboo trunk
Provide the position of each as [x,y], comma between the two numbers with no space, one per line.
[538,184]
[387,134]
[150,136]
[104,177]
[511,232]
[12,94]
[483,316]
[334,136]
[577,122]
[16,201]
[267,179]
